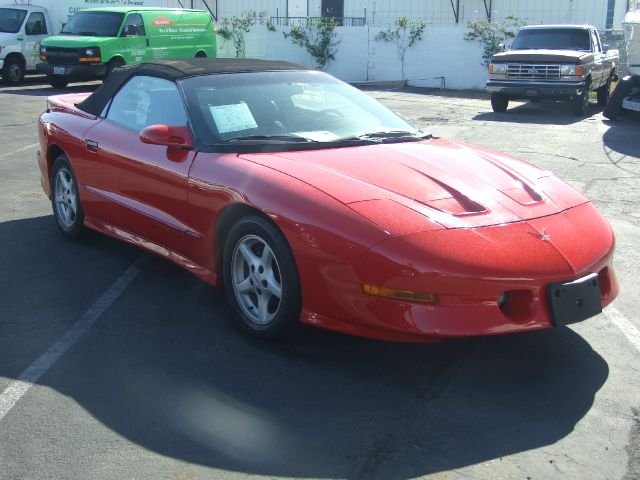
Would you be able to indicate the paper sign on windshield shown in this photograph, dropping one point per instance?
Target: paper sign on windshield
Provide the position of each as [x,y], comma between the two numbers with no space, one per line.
[232,118]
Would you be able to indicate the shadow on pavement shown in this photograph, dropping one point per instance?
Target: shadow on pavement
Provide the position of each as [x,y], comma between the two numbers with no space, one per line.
[620,143]
[165,368]
[545,113]
[37,85]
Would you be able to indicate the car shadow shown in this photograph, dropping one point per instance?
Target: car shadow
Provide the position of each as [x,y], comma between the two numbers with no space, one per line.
[544,112]
[37,85]
[620,145]
[166,368]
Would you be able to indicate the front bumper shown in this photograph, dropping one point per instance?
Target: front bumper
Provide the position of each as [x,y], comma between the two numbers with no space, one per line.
[468,279]
[80,72]
[535,89]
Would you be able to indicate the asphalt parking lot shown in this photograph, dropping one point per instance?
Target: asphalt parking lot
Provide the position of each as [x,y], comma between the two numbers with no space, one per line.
[115,364]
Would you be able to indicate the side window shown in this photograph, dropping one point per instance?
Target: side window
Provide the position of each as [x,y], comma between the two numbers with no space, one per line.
[36,24]
[596,42]
[145,101]
[134,25]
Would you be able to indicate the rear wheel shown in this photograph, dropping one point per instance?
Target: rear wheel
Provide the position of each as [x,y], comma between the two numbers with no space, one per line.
[201,54]
[613,109]
[65,199]
[13,71]
[261,278]
[499,102]
[57,82]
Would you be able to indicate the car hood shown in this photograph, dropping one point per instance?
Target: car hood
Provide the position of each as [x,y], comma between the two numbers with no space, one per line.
[559,56]
[453,185]
[73,41]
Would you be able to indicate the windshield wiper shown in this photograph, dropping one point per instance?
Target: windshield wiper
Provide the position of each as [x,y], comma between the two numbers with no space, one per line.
[380,137]
[278,138]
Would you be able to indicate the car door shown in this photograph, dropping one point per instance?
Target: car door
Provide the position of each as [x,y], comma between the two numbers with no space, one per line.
[135,39]
[137,188]
[35,30]
[598,60]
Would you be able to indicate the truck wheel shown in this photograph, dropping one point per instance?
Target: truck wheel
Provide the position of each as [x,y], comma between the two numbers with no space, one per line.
[57,82]
[112,65]
[613,109]
[604,92]
[13,71]
[499,102]
[580,103]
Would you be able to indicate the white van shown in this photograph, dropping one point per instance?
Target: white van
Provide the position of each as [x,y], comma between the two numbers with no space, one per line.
[22,28]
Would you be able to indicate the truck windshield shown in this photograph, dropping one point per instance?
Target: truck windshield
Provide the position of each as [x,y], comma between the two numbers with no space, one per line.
[11,19]
[552,39]
[94,24]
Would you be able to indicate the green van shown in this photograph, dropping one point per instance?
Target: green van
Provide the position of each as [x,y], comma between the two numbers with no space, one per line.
[97,40]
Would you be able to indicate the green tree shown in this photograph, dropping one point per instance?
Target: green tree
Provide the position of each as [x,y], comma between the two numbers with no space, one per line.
[404,34]
[492,35]
[235,28]
[318,37]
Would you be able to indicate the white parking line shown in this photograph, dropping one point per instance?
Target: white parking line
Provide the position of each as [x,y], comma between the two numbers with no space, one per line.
[629,329]
[8,154]
[10,396]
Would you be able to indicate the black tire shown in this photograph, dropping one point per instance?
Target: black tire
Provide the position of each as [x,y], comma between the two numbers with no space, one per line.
[580,103]
[201,54]
[113,64]
[57,82]
[604,92]
[499,102]
[252,287]
[613,109]
[13,71]
[65,199]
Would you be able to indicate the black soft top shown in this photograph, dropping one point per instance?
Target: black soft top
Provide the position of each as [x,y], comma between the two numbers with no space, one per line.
[174,70]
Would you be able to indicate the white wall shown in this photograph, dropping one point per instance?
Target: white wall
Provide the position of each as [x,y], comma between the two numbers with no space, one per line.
[442,52]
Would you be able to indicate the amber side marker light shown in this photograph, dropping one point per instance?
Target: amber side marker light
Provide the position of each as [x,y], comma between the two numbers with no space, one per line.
[398,294]
[579,70]
[89,59]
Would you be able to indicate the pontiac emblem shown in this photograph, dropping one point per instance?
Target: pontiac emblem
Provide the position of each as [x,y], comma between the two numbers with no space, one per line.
[543,235]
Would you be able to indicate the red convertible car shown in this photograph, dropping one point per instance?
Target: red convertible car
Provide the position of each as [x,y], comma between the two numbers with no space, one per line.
[312,203]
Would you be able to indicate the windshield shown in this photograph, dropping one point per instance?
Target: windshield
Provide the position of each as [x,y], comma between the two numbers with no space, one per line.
[556,39]
[94,24]
[281,106]
[11,19]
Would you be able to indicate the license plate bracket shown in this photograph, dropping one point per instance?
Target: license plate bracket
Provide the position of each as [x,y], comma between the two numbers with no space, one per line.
[571,302]
[59,70]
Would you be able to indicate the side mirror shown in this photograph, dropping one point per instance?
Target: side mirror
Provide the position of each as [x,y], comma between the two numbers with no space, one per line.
[502,47]
[605,47]
[171,136]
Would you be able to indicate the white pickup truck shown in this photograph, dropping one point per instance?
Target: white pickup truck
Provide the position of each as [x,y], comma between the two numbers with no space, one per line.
[22,28]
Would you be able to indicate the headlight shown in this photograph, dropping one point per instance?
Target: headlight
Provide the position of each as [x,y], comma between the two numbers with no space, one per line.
[90,54]
[43,50]
[568,69]
[497,68]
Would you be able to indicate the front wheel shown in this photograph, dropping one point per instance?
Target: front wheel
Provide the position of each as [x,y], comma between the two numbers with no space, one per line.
[57,82]
[261,278]
[65,199]
[113,64]
[13,71]
[499,102]
[604,92]
[579,103]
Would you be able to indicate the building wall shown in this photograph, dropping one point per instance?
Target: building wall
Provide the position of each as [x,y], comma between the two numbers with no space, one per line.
[435,12]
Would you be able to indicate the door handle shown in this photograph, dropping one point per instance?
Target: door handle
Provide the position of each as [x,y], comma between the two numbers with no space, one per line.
[19,39]
[91,145]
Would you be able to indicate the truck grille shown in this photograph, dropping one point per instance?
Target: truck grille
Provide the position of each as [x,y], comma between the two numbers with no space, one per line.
[62,56]
[533,72]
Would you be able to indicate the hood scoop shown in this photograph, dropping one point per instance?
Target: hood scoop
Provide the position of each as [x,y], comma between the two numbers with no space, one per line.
[455,203]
